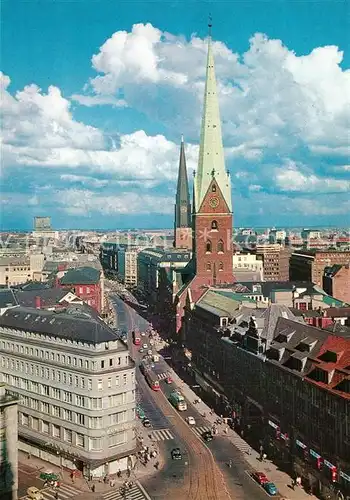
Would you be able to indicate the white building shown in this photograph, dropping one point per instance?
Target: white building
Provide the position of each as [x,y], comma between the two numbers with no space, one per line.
[248,262]
[76,385]
[20,269]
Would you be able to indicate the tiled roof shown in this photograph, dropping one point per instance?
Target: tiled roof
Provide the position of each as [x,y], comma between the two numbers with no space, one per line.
[334,362]
[234,296]
[48,297]
[70,324]
[267,287]
[81,276]
[32,285]
[331,301]
[218,304]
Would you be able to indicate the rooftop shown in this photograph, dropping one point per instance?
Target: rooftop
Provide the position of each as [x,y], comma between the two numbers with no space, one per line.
[81,276]
[71,323]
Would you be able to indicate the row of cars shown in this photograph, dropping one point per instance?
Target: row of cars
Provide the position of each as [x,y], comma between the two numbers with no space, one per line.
[261,478]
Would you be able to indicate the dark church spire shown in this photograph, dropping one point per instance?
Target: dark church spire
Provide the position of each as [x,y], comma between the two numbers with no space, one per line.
[183,204]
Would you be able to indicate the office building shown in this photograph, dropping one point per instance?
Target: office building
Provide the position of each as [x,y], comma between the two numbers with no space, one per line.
[76,384]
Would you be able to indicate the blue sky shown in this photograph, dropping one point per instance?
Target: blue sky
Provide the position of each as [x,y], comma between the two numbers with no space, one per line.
[97,93]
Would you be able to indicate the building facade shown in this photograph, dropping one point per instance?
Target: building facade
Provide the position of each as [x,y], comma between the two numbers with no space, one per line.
[127,266]
[310,265]
[8,445]
[336,282]
[275,259]
[248,262]
[17,270]
[76,385]
[86,283]
[283,383]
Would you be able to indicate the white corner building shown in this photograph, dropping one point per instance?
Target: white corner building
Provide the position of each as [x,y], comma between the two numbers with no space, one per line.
[75,382]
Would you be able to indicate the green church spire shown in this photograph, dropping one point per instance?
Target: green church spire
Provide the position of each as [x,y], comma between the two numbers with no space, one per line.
[211,151]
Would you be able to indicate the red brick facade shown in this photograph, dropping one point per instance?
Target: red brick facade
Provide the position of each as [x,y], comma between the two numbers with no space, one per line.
[213,239]
[91,294]
[341,284]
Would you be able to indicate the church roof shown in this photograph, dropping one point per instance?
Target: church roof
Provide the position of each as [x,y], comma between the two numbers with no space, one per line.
[183,205]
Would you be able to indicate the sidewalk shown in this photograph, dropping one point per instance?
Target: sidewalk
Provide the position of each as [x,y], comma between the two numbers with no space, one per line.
[281,479]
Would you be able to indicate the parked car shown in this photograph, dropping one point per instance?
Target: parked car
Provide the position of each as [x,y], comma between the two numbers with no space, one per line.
[270,488]
[34,494]
[141,350]
[176,454]
[190,421]
[146,422]
[260,477]
[145,346]
[207,436]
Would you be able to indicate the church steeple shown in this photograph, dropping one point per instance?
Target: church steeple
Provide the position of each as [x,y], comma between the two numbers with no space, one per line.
[182,205]
[211,151]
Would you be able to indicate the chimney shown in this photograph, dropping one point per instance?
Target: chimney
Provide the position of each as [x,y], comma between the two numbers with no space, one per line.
[37,303]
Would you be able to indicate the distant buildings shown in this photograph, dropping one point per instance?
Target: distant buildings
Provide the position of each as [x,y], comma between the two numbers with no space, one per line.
[247,264]
[275,259]
[8,444]
[19,269]
[76,384]
[336,282]
[309,265]
[127,266]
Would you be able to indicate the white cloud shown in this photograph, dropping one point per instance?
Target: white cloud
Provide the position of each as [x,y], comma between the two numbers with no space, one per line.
[85,203]
[291,178]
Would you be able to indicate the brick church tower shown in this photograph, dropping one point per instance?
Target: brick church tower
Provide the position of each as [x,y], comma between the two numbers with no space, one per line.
[183,226]
[212,204]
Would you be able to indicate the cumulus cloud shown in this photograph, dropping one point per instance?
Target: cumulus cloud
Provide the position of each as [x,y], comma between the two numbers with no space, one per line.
[86,202]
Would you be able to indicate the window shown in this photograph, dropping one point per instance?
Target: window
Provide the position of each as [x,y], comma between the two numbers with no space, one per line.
[102,364]
[56,431]
[221,246]
[94,444]
[221,266]
[67,435]
[117,381]
[87,289]
[80,440]
[45,408]
[67,397]
[67,414]
[110,361]
[80,419]
[208,266]
[89,384]
[208,246]
[80,400]
[25,419]
[35,423]
[116,439]
[125,379]
[55,411]
[45,427]
[95,422]
[214,225]
[109,383]
[56,393]
[97,403]
[99,385]
[46,390]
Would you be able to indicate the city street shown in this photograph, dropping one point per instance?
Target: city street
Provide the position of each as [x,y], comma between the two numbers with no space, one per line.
[167,425]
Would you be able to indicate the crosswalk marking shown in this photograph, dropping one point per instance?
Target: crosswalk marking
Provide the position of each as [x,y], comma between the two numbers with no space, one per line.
[162,435]
[64,491]
[239,443]
[200,430]
[133,493]
[162,376]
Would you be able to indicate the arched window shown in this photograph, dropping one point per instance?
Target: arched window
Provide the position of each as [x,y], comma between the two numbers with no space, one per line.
[214,225]
[220,246]
[208,266]
[208,246]
[213,188]
[221,266]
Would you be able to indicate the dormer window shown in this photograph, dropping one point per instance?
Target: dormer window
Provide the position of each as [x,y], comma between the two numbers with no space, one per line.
[220,246]
[208,246]
[223,321]
[214,225]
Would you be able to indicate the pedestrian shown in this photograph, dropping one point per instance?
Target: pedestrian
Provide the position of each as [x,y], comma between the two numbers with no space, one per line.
[93,487]
[264,457]
[56,495]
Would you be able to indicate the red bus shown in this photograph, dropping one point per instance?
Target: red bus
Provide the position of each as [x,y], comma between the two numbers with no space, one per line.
[152,379]
[136,338]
